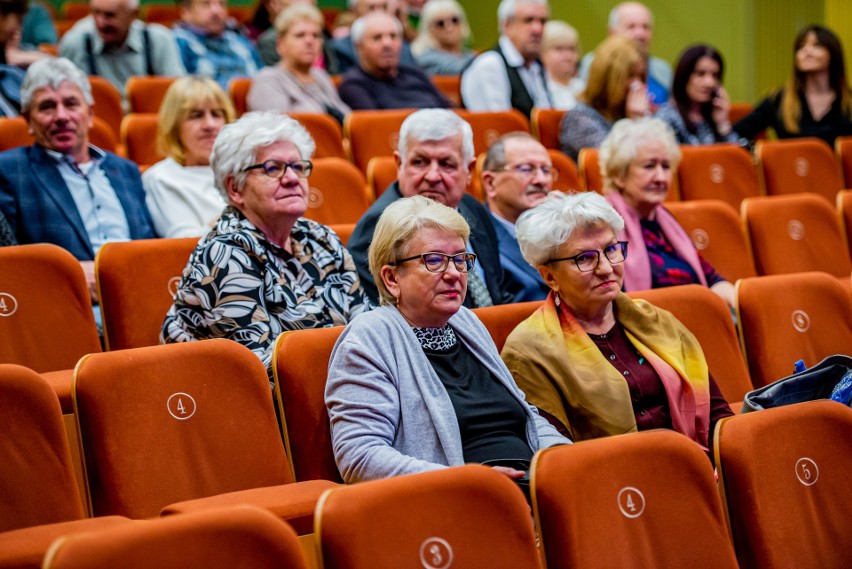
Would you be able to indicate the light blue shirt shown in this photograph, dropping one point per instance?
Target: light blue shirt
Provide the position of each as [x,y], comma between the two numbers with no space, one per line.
[95,198]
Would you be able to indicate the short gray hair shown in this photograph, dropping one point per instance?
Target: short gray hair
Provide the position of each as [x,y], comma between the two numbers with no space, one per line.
[556,30]
[621,145]
[429,125]
[399,224]
[359,26]
[615,13]
[507,9]
[546,227]
[237,144]
[52,72]
[495,158]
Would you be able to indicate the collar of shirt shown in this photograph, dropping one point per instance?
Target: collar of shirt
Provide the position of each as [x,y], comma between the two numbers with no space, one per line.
[96,154]
[507,225]
[201,32]
[233,219]
[512,55]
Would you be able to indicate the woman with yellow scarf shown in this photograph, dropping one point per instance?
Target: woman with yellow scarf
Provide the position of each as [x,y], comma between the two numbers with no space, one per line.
[594,361]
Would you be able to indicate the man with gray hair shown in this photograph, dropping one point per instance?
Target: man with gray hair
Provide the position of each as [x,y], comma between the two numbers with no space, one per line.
[344,48]
[62,190]
[517,175]
[379,81]
[634,21]
[510,74]
[434,159]
[114,44]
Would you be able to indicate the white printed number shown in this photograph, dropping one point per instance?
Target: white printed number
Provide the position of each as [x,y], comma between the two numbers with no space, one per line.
[631,502]
[436,553]
[807,471]
[181,406]
[8,304]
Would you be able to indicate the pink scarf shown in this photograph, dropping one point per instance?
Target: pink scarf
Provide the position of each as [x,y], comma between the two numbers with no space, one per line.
[637,266]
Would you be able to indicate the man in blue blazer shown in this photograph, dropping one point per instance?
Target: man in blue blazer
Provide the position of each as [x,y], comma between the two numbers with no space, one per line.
[517,175]
[434,160]
[61,190]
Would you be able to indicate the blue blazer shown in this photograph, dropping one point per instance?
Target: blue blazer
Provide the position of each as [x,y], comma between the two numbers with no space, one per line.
[524,282]
[40,209]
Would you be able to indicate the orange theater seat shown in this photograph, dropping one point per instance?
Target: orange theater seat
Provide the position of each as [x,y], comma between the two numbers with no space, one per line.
[136,282]
[590,171]
[645,499]
[843,150]
[381,173]
[326,133]
[145,93]
[338,192]
[108,105]
[238,89]
[785,474]
[844,208]
[139,137]
[469,516]
[40,498]
[184,427]
[449,86]
[545,126]
[797,165]
[488,126]
[241,536]
[568,179]
[373,133]
[718,172]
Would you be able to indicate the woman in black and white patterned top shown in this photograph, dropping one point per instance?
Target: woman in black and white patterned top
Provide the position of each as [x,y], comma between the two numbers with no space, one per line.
[7,235]
[263,269]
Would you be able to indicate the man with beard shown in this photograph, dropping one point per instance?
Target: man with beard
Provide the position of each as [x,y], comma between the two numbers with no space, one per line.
[113,43]
[379,81]
[517,175]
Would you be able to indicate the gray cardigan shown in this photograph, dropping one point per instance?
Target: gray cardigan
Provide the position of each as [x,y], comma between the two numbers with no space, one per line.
[389,412]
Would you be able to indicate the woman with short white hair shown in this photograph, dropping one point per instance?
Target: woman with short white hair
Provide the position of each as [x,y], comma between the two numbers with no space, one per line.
[560,55]
[443,35]
[594,361]
[264,269]
[638,159]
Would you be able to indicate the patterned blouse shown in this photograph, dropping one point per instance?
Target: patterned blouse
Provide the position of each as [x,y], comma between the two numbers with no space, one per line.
[238,285]
[703,134]
[667,268]
[7,236]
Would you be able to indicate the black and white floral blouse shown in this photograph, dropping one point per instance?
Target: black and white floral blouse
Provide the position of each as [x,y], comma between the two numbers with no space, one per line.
[7,236]
[238,285]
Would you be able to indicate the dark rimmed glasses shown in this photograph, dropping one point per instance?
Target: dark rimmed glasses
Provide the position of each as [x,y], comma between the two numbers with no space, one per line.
[445,22]
[438,262]
[277,168]
[588,261]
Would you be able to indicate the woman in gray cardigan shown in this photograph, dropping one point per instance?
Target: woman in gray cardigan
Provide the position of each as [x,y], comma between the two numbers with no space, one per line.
[418,384]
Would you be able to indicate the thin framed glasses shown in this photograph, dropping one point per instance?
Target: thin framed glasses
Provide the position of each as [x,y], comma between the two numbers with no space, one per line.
[445,22]
[530,170]
[588,261]
[277,168]
[438,262]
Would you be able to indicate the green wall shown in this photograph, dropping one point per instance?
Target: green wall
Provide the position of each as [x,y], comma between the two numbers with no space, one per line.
[754,36]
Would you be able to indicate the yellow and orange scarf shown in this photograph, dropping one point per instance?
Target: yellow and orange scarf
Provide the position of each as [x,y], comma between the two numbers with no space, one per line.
[562,371]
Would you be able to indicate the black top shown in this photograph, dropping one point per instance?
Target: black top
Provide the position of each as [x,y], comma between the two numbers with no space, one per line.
[492,423]
[768,114]
[7,236]
[410,88]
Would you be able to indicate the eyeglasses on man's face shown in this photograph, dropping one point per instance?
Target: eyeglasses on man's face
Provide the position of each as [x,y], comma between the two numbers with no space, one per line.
[277,168]
[438,262]
[588,261]
[530,170]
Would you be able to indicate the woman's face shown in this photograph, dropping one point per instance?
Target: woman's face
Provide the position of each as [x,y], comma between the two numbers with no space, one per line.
[585,292]
[271,200]
[428,299]
[447,30]
[561,59]
[301,45]
[648,178]
[704,81]
[198,132]
[812,56]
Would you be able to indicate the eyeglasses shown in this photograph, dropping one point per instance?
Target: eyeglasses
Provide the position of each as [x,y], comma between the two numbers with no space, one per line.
[438,262]
[530,170]
[445,22]
[277,168]
[588,261]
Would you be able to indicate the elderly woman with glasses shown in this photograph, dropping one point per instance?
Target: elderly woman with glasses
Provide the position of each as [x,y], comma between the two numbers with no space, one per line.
[417,384]
[638,159]
[595,362]
[264,269]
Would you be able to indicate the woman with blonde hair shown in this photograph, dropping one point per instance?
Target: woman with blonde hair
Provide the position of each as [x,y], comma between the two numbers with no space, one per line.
[180,191]
[816,101]
[443,34]
[296,84]
[616,89]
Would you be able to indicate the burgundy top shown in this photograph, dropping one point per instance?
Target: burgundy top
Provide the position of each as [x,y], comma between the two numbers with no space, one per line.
[667,268]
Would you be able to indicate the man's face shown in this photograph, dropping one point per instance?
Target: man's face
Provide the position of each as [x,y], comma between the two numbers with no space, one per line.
[522,183]
[59,119]
[634,22]
[526,28]
[112,19]
[378,52]
[209,15]
[433,169]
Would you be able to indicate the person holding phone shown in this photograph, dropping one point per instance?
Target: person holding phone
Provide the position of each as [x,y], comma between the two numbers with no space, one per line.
[699,110]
